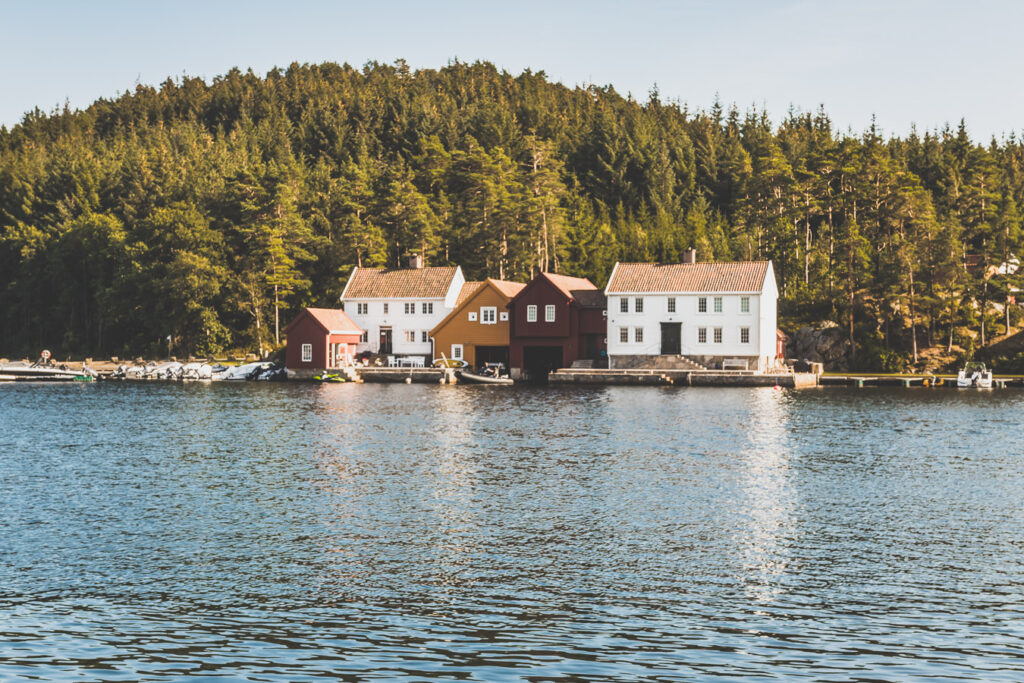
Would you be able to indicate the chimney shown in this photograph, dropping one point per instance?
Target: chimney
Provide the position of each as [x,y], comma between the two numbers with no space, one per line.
[415,261]
[690,256]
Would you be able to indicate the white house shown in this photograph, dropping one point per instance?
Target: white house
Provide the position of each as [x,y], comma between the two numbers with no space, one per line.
[716,314]
[399,307]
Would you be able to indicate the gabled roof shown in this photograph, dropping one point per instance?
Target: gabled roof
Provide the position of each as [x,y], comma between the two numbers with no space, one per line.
[740,276]
[399,283]
[467,292]
[566,284]
[506,289]
[333,320]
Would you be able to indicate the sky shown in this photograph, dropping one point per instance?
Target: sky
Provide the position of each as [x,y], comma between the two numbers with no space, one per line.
[906,62]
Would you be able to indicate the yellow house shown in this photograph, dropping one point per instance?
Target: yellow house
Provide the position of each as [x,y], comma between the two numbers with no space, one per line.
[477,330]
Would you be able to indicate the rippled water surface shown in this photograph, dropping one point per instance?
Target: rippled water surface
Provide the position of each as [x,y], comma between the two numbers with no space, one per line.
[289,532]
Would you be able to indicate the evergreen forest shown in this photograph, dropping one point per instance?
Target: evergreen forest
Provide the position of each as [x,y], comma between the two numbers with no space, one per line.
[198,218]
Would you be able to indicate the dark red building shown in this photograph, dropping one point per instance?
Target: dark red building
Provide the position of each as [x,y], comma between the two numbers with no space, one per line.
[554,321]
[320,338]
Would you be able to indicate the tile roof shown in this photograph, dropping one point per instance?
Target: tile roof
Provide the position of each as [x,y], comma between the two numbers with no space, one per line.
[567,284]
[509,289]
[467,291]
[400,283]
[334,320]
[740,276]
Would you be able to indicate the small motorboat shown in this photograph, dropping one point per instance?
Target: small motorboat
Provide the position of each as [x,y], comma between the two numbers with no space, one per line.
[976,375]
[271,373]
[20,372]
[449,363]
[330,377]
[492,373]
[243,372]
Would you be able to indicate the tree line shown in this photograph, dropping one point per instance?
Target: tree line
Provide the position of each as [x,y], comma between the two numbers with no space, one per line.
[209,213]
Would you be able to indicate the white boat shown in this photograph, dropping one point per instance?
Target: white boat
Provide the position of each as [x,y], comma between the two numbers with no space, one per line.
[168,370]
[196,371]
[247,371]
[974,374]
[20,372]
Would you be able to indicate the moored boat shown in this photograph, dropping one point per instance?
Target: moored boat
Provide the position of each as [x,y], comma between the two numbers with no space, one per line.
[974,374]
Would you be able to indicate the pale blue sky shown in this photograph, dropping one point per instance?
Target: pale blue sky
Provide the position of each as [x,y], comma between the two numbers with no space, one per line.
[906,61]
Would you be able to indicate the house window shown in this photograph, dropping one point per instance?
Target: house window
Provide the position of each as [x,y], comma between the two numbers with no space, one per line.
[549,314]
[423,337]
[385,308]
[364,337]
[472,316]
[488,315]
[744,304]
[718,304]
[410,308]
[307,353]
[428,308]
[410,336]
[531,314]
[638,335]
[744,335]
[624,335]
[702,304]
[638,304]
[671,304]
[718,335]
[503,316]
[457,351]
[623,305]
[361,309]
[702,335]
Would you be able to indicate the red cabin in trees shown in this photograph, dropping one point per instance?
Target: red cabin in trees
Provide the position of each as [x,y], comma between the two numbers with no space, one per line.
[555,321]
[320,338]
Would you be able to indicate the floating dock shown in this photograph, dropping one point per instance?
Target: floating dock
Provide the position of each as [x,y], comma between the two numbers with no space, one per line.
[685,378]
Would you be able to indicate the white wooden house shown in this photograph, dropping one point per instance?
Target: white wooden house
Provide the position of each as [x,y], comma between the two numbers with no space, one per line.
[398,308]
[715,314]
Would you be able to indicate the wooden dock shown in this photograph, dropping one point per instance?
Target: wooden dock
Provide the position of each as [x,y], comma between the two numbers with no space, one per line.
[685,378]
[926,381]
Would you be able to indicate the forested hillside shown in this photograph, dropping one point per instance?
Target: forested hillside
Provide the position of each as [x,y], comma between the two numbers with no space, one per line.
[198,211]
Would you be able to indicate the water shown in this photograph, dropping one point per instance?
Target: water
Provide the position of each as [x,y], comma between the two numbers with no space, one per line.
[288,532]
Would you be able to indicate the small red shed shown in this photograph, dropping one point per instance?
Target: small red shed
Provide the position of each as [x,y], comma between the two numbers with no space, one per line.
[320,338]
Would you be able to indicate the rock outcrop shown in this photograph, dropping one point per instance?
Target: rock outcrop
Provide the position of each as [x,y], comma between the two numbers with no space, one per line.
[823,344]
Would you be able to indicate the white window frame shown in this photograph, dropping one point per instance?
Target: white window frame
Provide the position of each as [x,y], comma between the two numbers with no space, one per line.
[362,309]
[385,308]
[410,308]
[638,304]
[531,313]
[744,304]
[549,313]
[488,315]
[503,316]
[702,335]
[364,337]
[472,316]
[638,335]
[718,335]
[424,336]
[702,304]
[744,332]
[623,335]
[671,304]
[428,308]
[307,353]
[718,304]
[624,305]
[456,351]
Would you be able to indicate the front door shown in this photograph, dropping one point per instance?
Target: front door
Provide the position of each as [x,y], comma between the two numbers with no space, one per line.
[671,334]
[385,340]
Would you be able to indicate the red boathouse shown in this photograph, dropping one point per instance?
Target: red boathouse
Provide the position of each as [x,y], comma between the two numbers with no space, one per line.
[320,338]
[555,321]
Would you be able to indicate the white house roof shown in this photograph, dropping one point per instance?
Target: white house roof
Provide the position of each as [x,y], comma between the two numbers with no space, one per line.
[740,276]
[400,283]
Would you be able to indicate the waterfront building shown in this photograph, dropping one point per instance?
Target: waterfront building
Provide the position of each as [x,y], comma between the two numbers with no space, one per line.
[718,315]
[319,339]
[477,330]
[555,321]
[398,307]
